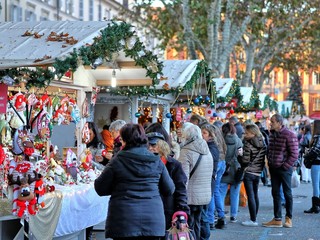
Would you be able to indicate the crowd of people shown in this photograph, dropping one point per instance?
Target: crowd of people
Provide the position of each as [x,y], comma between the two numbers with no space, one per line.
[150,175]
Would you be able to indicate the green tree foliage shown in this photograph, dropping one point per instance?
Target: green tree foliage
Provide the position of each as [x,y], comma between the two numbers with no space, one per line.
[257,34]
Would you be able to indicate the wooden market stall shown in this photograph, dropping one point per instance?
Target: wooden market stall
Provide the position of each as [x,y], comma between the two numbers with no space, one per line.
[64,61]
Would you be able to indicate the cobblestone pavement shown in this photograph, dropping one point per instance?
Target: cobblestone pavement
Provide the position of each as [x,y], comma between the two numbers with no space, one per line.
[305,226]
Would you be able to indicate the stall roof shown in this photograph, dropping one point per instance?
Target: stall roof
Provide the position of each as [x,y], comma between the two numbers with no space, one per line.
[223,86]
[17,50]
[176,73]
[246,93]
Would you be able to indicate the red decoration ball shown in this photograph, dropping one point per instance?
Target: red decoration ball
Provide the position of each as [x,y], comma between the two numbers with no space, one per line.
[209,111]
[231,111]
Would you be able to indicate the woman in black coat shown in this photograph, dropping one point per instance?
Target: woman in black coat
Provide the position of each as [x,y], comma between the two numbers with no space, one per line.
[135,178]
[177,201]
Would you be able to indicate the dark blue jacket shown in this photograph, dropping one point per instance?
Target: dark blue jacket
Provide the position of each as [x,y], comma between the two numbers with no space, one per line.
[215,155]
[135,178]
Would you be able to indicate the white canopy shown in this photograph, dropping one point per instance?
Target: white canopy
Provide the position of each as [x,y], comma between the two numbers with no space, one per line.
[223,85]
[176,73]
[246,93]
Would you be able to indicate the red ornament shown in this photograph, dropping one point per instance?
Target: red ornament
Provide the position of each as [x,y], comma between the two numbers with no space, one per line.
[209,112]
[231,111]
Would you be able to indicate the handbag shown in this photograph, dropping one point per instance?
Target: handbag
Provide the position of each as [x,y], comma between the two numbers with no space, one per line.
[310,156]
[239,175]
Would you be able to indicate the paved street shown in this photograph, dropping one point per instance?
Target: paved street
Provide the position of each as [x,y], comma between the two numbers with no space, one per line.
[305,226]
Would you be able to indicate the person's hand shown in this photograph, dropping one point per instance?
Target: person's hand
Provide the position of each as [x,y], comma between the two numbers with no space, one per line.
[240,151]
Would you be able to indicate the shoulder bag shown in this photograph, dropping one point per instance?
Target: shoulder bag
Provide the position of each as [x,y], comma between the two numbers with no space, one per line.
[195,166]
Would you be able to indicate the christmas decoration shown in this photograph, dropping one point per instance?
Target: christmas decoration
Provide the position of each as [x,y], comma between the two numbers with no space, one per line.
[168,115]
[137,114]
[295,94]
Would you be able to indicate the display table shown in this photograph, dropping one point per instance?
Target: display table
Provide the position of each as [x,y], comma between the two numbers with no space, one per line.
[68,210]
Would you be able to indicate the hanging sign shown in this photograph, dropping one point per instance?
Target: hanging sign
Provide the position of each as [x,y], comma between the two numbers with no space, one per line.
[178,114]
[3,97]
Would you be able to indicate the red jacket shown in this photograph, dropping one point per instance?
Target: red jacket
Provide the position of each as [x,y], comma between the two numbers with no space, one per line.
[283,149]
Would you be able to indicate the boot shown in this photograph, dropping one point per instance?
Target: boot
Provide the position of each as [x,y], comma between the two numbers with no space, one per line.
[220,223]
[317,201]
[315,207]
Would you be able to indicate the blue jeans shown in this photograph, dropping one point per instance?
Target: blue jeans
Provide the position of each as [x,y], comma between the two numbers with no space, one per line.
[234,196]
[283,200]
[315,177]
[217,202]
[280,176]
[251,184]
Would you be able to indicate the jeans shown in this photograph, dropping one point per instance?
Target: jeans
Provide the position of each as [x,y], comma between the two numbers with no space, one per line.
[217,202]
[280,176]
[283,200]
[194,220]
[251,184]
[315,177]
[234,196]
[205,225]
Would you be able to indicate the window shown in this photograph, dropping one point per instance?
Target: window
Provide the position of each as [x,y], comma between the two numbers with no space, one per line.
[316,105]
[69,7]
[107,14]
[15,13]
[91,4]
[315,78]
[30,16]
[81,10]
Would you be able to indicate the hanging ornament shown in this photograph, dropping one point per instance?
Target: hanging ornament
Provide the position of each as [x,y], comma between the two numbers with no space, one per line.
[196,101]
[137,114]
[212,105]
[200,97]
[168,115]
[214,114]
[189,110]
[231,111]
[207,99]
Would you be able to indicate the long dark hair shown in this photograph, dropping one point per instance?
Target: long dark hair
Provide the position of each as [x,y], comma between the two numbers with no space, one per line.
[97,136]
[133,135]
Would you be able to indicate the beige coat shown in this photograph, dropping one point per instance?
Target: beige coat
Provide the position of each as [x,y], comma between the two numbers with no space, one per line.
[199,186]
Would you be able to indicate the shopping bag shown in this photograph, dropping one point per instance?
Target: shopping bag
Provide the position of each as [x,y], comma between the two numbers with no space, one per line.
[243,199]
[295,180]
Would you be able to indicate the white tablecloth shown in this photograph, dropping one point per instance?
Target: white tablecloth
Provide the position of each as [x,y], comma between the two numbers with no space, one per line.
[81,207]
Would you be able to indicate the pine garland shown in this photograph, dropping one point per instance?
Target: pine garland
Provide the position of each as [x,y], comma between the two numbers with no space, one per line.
[113,39]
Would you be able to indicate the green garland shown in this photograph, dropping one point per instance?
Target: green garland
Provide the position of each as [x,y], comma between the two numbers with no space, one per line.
[114,38]
[254,102]
[202,70]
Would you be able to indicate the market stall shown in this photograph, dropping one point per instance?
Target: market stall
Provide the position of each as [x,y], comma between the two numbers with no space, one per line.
[48,68]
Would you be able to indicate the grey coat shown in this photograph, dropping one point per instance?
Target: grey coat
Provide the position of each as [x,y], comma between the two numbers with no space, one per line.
[233,144]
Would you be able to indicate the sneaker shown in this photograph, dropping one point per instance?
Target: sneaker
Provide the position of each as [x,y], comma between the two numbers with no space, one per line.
[273,223]
[233,219]
[250,223]
[288,223]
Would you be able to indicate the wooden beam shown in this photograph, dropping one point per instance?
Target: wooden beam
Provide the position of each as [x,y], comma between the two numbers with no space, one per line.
[126,82]
[121,65]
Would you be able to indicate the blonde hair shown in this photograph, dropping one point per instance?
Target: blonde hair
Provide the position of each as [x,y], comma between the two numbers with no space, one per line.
[209,128]
[254,129]
[164,148]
